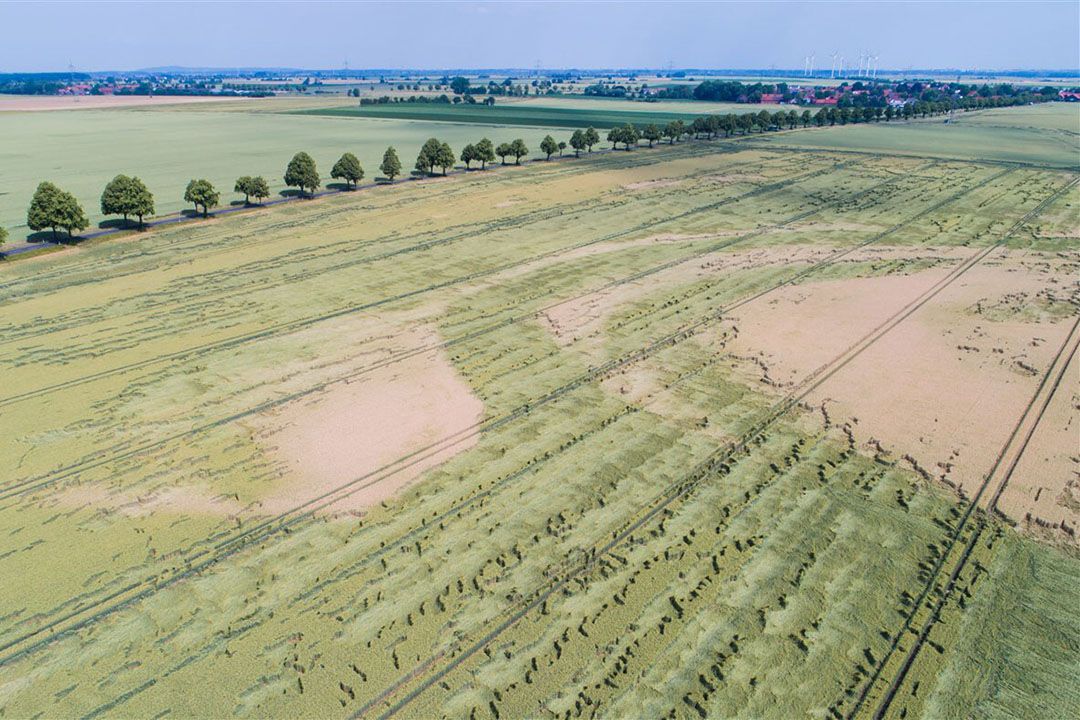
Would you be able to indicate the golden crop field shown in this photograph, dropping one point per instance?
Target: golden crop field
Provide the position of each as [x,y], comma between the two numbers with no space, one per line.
[715,429]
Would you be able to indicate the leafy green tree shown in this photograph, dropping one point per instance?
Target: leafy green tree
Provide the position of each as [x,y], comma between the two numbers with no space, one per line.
[460,85]
[518,150]
[391,165]
[577,141]
[243,186]
[302,173]
[652,133]
[126,196]
[485,152]
[614,135]
[562,146]
[201,193]
[468,154]
[674,130]
[3,235]
[260,189]
[629,135]
[348,169]
[428,156]
[549,146]
[55,209]
[805,118]
[445,157]
[591,138]
[503,150]
[252,187]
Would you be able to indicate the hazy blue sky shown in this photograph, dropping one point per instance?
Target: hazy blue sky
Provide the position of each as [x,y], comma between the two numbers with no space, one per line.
[113,35]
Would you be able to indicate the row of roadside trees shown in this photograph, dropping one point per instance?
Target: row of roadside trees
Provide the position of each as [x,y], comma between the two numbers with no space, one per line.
[54,209]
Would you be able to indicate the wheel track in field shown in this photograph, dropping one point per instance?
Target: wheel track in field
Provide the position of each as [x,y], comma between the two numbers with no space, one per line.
[674,492]
[969,512]
[301,323]
[462,651]
[134,592]
[981,522]
[122,452]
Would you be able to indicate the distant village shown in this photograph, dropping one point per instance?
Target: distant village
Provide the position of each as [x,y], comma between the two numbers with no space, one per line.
[862,92]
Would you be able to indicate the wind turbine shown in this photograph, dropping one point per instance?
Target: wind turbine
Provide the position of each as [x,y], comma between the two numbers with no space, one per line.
[832,72]
[811,73]
[875,66]
[841,66]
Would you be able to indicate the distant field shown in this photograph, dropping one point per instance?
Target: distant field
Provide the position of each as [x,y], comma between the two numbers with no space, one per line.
[565,114]
[632,106]
[38,103]
[82,150]
[1025,135]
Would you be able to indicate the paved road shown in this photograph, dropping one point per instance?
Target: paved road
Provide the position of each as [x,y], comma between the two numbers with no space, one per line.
[180,217]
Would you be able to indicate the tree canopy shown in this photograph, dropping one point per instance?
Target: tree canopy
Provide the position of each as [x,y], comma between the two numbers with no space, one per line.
[55,209]
[435,154]
[468,154]
[592,137]
[628,135]
[348,169]
[391,165]
[674,130]
[460,85]
[201,193]
[577,141]
[126,196]
[651,133]
[252,187]
[485,152]
[518,150]
[549,146]
[302,173]
[502,151]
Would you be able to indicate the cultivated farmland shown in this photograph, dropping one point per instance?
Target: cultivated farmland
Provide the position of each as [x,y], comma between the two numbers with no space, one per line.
[715,429]
[83,150]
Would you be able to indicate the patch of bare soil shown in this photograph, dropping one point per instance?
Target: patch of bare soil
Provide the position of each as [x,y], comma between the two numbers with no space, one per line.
[940,392]
[378,433]
[584,316]
[38,103]
[1044,490]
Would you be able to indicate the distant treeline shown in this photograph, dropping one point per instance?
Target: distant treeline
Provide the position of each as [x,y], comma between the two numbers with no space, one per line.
[37,83]
[858,94]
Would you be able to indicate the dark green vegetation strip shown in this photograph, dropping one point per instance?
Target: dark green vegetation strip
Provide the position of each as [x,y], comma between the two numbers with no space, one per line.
[509,114]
